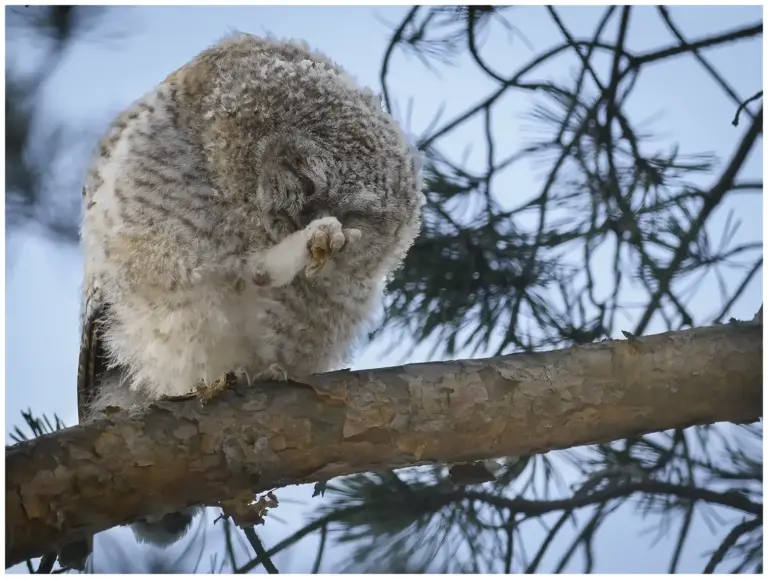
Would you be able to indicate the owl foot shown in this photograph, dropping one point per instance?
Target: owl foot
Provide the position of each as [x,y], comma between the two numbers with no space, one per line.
[274,373]
[326,239]
[207,392]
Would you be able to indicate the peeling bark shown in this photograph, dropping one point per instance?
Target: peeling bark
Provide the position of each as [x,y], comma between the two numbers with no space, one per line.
[82,480]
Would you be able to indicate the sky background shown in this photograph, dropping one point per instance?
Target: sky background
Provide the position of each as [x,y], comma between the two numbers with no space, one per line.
[97,79]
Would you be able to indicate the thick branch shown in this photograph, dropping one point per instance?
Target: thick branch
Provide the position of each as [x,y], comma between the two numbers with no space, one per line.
[82,480]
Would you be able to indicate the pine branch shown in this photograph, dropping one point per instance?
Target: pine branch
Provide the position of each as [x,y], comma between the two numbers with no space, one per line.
[262,556]
[730,540]
[711,201]
[78,481]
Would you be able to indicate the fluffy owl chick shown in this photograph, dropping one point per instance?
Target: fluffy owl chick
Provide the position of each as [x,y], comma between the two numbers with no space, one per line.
[241,217]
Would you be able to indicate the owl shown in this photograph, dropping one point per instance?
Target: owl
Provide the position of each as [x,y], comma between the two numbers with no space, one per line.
[242,217]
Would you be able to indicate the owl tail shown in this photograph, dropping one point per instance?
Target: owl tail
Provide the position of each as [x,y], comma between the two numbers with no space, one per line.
[166,529]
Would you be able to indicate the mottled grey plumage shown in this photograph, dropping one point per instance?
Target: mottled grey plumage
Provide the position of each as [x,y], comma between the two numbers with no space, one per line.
[241,217]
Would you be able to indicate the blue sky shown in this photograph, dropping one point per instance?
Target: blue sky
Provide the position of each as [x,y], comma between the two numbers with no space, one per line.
[97,79]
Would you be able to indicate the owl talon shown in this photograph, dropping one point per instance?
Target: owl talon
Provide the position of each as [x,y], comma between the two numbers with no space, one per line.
[326,240]
[274,373]
[237,387]
[207,392]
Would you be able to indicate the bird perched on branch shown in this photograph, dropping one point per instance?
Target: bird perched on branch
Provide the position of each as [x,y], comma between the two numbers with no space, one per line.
[242,217]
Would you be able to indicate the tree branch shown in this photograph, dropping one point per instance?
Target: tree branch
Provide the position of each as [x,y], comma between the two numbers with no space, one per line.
[261,553]
[396,38]
[79,481]
[530,508]
[664,11]
[682,48]
[711,202]
[730,540]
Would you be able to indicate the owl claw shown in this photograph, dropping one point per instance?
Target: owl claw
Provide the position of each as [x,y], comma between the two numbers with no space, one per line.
[327,239]
[229,381]
[207,392]
[274,373]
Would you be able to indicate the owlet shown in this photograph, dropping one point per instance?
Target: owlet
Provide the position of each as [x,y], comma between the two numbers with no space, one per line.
[241,217]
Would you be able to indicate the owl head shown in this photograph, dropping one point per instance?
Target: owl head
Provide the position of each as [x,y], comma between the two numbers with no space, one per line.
[287,129]
[302,179]
[294,184]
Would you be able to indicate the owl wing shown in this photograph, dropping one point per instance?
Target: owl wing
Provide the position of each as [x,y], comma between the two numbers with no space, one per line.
[93,360]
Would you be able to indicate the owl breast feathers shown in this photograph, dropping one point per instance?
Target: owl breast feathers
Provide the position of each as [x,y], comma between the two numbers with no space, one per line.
[241,217]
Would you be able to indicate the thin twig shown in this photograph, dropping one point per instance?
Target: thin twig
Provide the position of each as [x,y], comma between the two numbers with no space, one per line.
[664,11]
[320,550]
[712,200]
[46,563]
[729,541]
[520,505]
[397,36]
[707,42]
[262,557]
[743,107]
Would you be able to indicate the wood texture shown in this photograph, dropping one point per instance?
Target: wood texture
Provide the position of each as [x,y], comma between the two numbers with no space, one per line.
[87,479]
